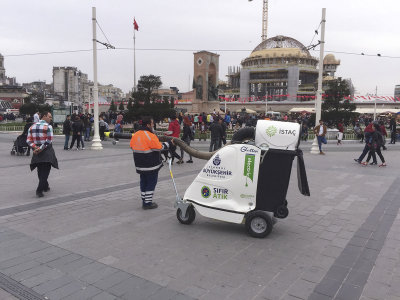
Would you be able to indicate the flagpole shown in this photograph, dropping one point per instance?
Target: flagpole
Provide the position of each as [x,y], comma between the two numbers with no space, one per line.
[134,59]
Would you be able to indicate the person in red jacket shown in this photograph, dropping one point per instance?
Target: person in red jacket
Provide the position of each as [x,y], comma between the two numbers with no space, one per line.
[174,130]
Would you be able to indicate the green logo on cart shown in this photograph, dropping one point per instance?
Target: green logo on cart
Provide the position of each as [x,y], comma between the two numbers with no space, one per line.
[271,131]
[205,192]
[249,166]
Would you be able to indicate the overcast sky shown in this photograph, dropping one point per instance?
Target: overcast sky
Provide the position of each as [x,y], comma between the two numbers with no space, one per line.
[367,26]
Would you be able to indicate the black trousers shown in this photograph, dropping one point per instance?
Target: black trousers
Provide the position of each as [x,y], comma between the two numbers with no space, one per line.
[43,170]
[76,138]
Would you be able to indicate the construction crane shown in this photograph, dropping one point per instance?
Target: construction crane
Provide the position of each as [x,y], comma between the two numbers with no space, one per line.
[264,20]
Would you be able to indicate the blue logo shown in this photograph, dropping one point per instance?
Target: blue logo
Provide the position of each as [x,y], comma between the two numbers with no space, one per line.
[205,192]
[217,160]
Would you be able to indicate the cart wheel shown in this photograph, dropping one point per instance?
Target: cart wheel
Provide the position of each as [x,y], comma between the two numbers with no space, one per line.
[114,142]
[281,212]
[189,216]
[258,224]
[12,152]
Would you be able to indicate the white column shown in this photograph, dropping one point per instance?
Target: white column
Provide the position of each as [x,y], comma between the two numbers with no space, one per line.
[314,147]
[96,143]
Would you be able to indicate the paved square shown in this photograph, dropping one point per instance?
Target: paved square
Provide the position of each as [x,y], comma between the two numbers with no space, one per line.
[88,238]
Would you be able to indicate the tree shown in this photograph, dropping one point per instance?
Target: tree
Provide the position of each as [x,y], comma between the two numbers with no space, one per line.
[130,105]
[146,88]
[35,97]
[113,107]
[32,108]
[335,107]
[121,106]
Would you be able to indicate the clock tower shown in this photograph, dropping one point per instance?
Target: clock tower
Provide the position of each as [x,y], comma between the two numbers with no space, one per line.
[205,82]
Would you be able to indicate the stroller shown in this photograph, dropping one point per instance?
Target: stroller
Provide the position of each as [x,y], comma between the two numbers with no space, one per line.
[20,147]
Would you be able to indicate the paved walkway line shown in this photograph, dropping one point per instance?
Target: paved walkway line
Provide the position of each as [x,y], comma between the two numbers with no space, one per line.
[349,273]
[77,196]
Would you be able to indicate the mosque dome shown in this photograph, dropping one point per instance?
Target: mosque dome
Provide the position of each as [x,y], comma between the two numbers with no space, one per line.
[280,46]
[330,59]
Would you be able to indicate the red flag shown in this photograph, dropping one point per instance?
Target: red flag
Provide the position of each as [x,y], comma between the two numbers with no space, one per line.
[135,25]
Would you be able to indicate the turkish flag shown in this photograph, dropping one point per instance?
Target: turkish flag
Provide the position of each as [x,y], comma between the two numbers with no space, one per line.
[135,25]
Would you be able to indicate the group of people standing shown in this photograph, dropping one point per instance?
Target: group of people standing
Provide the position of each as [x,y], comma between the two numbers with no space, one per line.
[80,126]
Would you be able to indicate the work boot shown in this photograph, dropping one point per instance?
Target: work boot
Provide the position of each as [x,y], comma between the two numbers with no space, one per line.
[150,206]
[322,153]
[39,194]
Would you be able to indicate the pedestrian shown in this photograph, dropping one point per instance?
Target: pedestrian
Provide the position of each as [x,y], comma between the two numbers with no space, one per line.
[146,155]
[223,137]
[174,130]
[103,127]
[320,132]
[187,136]
[358,132]
[40,139]
[67,131]
[382,131]
[216,135]
[88,127]
[368,142]
[77,128]
[375,147]
[36,117]
[340,127]
[393,131]
[203,131]
[304,132]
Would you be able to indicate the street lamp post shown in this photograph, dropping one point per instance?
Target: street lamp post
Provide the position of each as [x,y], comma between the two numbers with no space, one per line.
[314,147]
[96,143]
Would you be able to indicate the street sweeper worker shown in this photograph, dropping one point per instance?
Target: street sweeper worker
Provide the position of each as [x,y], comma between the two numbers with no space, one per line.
[147,157]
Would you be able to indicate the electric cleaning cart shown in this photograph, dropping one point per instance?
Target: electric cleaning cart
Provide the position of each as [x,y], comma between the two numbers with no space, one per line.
[247,182]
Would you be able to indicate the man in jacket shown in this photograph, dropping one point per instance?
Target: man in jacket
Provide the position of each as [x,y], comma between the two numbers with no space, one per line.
[320,132]
[67,131]
[216,135]
[77,128]
[40,139]
[393,131]
[147,157]
[175,129]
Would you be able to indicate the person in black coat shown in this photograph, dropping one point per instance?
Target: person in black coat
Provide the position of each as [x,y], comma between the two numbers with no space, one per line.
[393,133]
[77,128]
[375,147]
[216,135]
[67,131]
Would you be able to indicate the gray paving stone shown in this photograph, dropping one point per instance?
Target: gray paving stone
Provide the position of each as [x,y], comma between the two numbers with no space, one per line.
[328,287]
[21,267]
[111,280]
[14,261]
[52,285]
[65,290]
[126,286]
[30,272]
[57,263]
[363,265]
[50,257]
[104,296]
[164,293]
[76,264]
[337,272]
[301,289]
[93,277]
[86,292]
[356,277]
[348,291]
[42,278]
